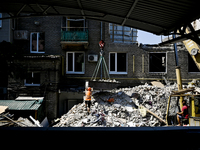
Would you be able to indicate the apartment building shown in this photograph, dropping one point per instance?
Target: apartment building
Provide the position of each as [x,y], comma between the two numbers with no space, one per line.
[58,54]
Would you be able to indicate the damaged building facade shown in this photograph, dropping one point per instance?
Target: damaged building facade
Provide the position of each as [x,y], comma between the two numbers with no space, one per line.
[58,54]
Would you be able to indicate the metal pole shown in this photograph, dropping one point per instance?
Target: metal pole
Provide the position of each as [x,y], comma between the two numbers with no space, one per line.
[101,53]
[178,72]
[175,52]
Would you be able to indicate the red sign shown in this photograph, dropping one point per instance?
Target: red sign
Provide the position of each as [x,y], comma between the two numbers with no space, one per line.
[101,44]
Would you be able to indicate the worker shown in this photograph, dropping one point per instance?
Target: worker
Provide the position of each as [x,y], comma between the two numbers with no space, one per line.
[183,114]
[88,94]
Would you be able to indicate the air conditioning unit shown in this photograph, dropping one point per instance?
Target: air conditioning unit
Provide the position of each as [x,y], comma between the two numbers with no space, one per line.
[92,58]
[21,35]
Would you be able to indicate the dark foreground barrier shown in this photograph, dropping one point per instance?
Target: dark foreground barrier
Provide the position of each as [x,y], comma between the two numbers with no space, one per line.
[101,137]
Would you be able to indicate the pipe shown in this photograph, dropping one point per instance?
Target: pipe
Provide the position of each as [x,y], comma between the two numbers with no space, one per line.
[101,52]
[178,73]
[178,76]
[175,52]
[101,30]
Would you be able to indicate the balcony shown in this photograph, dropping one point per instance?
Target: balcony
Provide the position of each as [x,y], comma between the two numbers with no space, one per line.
[74,36]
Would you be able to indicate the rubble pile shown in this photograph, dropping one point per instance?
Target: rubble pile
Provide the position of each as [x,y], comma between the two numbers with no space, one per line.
[108,80]
[127,110]
[6,120]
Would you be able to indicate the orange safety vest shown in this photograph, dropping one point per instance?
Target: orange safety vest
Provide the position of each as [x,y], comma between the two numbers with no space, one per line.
[88,95]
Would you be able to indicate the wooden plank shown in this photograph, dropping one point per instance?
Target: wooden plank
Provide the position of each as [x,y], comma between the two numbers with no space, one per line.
[183,91]
[12,120]
[155,115]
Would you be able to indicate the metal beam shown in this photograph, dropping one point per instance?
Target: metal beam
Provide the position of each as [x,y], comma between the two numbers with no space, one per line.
[100,16]
[45,11]
[55,9]
[41,15]
[129,12]
[40,8]
[80,5]
[194,35]
[31,8]
[182,38]
[21,9]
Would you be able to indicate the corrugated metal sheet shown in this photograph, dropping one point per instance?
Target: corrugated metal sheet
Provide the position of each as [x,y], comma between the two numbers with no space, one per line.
[155,16]
[21,105]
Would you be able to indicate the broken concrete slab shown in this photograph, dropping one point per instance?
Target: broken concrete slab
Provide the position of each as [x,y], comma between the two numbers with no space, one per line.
[157,83]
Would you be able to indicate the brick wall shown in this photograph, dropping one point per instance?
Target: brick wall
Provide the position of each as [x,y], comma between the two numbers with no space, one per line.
[49,69]
[51,26]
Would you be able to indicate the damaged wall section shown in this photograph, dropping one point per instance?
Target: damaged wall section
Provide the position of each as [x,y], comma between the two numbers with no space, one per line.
[157,62]
[40,78]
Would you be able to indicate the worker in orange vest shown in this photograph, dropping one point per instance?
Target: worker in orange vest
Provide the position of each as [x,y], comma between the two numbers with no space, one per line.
[88,94]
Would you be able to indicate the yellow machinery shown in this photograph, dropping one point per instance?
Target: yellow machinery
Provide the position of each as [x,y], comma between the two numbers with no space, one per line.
[194,108]
[193,50]
[194,100]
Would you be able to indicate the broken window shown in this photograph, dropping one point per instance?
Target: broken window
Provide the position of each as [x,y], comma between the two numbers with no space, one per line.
[32,79]
[192,67]
[157,62]
[75,24]
[37,42]
[75,62]
[122,34]
[117,64]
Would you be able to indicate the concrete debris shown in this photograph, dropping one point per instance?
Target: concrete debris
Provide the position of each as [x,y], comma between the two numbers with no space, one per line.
[130,108]
[26,122]
[157,83]
[6,120]
[108,80]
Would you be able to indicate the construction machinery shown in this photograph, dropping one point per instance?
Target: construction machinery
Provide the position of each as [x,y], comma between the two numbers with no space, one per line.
[194,110]
[178,96]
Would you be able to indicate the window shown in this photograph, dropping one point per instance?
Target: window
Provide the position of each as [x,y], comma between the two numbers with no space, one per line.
[0,20]
[37,42]
[117,64]
[32,79]
[122,34]
[75,24]
[192,67]
[157,62]
[75,62]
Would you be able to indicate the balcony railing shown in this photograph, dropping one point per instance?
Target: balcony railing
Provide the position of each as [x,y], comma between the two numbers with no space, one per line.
[74,34]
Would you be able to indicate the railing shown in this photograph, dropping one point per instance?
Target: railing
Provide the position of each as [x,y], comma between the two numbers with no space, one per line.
[75,34]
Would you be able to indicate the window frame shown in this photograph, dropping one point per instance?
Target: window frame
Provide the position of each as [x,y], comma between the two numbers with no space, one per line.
[74,20]
[73,65]
[165,62]
[1,16]
[33,84]
[123,35]
[117,72]
[31,51]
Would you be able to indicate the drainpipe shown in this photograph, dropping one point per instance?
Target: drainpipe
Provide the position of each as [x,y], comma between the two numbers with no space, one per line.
[102,54]
[101,30]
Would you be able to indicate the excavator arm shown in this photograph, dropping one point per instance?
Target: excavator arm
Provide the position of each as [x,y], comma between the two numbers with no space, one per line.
[193,49]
